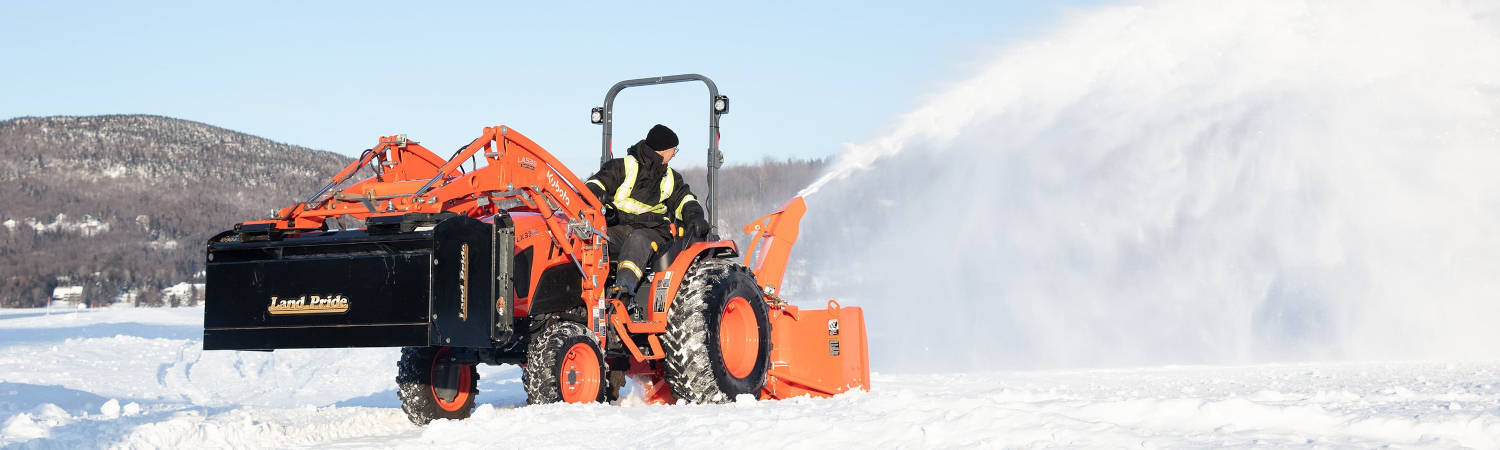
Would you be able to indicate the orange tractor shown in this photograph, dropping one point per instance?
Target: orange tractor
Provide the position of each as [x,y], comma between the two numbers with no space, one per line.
[507,262]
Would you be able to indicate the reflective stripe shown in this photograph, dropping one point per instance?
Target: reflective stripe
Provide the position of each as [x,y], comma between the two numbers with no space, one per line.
[684,202]
[667,183]
[625,203]
[597,183]
[632,267]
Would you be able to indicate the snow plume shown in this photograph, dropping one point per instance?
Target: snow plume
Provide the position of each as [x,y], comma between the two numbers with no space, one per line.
[1184,182]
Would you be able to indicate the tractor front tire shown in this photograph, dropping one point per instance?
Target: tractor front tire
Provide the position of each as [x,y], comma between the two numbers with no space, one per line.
[564,364]
[432,388]
[718,339]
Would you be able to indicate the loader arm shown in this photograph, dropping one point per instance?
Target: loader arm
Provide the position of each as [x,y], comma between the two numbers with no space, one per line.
[516,175]
[411,179]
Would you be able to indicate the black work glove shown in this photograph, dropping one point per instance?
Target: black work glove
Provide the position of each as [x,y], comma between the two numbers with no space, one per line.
[698,229]
[611,218]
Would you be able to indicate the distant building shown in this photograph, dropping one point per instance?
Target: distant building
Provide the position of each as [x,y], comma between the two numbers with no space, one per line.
[187,294]
[67,296]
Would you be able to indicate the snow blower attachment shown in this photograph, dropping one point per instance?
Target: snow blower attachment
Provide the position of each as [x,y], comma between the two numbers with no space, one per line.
[506,261]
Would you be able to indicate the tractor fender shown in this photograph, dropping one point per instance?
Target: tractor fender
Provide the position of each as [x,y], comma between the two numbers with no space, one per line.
[665,283]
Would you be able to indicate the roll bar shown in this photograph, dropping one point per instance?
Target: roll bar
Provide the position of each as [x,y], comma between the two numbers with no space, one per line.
[717,105]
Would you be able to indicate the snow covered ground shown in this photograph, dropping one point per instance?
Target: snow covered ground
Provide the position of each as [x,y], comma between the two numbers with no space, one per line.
[137,378]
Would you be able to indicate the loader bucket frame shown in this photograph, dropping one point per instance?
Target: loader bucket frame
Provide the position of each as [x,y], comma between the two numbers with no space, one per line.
[715,157]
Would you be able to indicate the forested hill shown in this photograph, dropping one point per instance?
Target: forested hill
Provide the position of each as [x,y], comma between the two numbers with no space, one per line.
[121,202]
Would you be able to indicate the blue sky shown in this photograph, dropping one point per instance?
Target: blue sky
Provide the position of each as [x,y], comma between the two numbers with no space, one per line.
[803,77]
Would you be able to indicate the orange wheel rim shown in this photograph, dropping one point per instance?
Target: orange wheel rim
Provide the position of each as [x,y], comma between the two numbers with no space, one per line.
[463,385]
[739,337]
[578,376]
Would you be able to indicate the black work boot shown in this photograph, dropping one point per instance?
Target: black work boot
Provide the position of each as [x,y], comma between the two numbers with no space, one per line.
[626,281]
[634,308]
[625,292]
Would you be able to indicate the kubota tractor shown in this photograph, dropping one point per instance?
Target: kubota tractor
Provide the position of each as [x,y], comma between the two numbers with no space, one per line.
[507,262]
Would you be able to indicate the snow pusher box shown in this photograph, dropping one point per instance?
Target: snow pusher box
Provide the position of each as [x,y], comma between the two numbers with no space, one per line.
[419,280]
[498,255]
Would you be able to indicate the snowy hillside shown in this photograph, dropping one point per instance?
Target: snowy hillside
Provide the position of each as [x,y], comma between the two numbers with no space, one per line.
[136,194]
[137,378]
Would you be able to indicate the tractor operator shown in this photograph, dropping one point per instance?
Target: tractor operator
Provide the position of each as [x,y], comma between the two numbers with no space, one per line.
[647,197]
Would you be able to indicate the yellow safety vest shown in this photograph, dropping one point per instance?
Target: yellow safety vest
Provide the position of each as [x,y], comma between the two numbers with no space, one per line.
[625,203]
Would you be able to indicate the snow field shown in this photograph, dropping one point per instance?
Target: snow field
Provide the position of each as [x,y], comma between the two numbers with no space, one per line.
[137,378]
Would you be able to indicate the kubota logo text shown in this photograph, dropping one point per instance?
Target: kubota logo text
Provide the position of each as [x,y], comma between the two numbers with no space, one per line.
[309,304]
[557,188]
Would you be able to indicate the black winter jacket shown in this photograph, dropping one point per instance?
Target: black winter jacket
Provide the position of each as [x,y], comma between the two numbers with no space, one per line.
[681,205]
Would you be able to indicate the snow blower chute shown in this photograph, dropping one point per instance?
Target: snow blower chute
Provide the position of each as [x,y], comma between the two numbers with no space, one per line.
[507,262]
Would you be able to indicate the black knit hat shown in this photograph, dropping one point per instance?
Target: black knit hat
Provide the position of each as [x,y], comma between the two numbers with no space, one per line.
[661,138]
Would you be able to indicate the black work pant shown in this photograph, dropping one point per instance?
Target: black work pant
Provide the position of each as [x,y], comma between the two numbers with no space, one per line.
[633,248]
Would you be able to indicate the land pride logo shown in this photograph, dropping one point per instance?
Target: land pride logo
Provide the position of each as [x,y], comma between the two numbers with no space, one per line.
[309,304]
[463,282]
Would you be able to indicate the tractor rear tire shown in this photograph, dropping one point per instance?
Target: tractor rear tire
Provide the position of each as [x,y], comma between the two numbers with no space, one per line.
[431,388]
[564,364]
[718,339]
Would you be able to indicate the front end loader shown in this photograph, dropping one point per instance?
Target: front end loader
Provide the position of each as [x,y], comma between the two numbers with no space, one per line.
[506,261]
